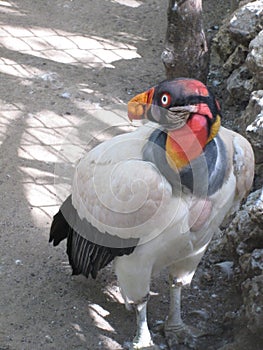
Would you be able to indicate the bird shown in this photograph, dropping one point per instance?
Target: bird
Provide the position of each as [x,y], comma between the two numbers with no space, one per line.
[152,199]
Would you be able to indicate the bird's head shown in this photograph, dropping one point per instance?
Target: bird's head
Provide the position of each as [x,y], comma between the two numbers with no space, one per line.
[186,110]
[178,102]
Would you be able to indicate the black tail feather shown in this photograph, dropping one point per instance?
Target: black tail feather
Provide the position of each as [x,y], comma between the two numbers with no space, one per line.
[85,257]
[59,229]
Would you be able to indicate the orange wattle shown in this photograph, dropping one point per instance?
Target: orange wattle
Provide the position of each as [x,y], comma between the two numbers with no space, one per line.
[186,143]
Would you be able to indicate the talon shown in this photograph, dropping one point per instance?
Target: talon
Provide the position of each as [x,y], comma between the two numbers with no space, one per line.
[182,334]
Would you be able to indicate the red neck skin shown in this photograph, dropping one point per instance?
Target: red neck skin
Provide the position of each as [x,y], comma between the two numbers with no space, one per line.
[188,142]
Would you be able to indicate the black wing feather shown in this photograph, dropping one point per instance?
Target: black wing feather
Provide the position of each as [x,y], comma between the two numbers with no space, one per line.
[85,256]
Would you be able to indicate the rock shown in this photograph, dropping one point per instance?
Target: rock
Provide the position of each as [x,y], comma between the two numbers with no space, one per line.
[48,339]
[252,290]
[240,84]
[254,60]
[251,124]
[223,43]
[253,109]
[252,264]
[247,21]
[237,56]
[236,59]
[256,212]
[244,234]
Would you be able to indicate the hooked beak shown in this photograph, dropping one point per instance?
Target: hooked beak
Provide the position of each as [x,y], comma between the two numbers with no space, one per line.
[139,105]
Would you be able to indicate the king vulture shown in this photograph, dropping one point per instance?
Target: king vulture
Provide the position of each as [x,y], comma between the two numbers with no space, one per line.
[153,198]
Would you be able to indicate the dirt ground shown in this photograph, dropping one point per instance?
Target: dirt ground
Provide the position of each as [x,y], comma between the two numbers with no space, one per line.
[62,63]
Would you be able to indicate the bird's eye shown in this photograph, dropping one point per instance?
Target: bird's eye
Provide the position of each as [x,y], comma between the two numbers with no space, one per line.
[165,99]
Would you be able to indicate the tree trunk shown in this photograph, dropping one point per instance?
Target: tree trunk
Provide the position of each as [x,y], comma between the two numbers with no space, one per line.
[234,5]
[186,52]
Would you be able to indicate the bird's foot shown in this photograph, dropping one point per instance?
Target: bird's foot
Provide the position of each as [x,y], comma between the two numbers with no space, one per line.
[182,334]
[143,343]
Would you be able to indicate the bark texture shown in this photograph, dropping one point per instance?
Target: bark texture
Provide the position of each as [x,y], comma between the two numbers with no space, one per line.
[186,51]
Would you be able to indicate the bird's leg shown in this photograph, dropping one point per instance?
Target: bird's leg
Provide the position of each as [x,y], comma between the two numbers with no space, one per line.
[174,319]
[143,339]
[176,332]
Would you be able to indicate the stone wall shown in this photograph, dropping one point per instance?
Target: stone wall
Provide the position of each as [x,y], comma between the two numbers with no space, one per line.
[237,72]
[236,55]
